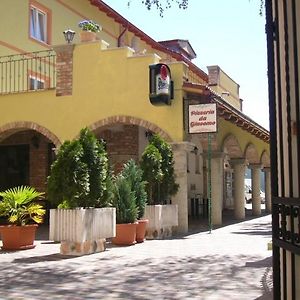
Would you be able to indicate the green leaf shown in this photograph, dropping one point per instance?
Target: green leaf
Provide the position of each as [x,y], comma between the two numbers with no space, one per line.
[18,206]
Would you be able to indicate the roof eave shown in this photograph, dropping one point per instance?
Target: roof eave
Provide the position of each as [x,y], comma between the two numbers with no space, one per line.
[228,112]
[143,36]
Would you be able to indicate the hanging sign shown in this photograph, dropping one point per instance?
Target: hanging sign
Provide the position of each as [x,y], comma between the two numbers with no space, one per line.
[161,85]
[203,118]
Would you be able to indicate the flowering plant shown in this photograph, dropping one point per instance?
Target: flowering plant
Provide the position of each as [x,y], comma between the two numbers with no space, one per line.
[89,25]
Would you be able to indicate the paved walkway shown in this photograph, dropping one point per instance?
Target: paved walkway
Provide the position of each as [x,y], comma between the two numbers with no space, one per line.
[230,263]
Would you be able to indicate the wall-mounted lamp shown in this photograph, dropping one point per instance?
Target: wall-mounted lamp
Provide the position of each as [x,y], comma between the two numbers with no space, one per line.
[69,35]
[35,141]
[148,134]
[195,150]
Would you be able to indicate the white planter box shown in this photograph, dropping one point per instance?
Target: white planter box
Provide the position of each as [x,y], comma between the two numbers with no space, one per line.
[82,231]
[161,220]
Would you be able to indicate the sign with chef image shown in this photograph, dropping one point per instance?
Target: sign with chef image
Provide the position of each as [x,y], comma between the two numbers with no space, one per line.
[161,85]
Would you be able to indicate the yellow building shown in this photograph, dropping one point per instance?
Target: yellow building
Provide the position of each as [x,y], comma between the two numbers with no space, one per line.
[50,90]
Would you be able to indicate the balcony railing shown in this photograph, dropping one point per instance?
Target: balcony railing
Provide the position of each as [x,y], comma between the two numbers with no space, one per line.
[27,72]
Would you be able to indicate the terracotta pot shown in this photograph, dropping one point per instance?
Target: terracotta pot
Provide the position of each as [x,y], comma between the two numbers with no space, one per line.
[125,234]
[141,230]
[87,36]
[18,237]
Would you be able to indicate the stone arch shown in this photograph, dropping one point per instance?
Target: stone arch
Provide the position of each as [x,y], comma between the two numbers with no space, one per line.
[265,159]
[14,127]
[129,120]
[251,154]
[232,147]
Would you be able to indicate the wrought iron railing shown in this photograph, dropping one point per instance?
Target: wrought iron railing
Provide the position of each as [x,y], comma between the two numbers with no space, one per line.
[286,246]
[27,72]
[286,213]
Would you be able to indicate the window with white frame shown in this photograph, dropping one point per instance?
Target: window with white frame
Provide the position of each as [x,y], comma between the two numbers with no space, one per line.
[36,83]
[38,24]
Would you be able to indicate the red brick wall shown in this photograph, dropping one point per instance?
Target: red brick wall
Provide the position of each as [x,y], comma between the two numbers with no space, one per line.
[64,70]
[122,144]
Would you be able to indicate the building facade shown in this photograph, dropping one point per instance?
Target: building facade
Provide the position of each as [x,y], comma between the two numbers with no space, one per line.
[49,90]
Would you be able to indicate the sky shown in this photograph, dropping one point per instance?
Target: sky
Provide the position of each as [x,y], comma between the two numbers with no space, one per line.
[228,33]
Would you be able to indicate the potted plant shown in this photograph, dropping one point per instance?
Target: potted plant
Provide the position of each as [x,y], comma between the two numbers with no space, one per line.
[134,174]
[77,185]
[126,211]
[23,213]
[89,29]
[158,171]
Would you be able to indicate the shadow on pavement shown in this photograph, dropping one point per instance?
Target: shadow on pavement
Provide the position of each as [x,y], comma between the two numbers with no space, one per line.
[263,263]
[42,258]
[198,224]
[173,278]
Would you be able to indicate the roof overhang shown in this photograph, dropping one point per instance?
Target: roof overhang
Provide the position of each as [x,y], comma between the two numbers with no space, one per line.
[143,36]
[227,111]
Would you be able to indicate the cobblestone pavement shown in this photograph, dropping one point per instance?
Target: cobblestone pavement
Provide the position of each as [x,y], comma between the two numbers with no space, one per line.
[230,263]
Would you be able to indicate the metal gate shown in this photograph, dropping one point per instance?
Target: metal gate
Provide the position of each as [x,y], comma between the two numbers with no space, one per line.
[283,37]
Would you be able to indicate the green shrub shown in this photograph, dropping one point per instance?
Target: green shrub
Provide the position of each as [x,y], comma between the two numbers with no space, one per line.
[124,201]
[134,174]
[79,175]
[95,158]
[168,186]
[68,182]
[158,167]
[152,171]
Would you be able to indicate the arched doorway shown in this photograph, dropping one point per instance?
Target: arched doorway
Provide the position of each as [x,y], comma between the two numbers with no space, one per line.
[125,137]
[27,151]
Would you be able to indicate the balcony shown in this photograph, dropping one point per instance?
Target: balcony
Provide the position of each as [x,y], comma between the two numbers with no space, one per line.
[27,72]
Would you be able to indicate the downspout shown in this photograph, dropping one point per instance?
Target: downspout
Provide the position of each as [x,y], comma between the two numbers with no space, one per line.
[121,35]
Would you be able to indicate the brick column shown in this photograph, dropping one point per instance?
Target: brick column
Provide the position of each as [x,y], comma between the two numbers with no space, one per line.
[267,172]
[239,168]
[64,69]
[181,198]
[256,201]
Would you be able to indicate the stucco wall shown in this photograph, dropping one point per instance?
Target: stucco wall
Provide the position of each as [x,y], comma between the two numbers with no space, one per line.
[105,83]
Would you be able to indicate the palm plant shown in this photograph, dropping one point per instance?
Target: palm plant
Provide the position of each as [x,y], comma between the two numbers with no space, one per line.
[18,205]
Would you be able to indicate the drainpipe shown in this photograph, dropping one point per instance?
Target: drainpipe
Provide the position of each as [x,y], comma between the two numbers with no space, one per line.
[121,35]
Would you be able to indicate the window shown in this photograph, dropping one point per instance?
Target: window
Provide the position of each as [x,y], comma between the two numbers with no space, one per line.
[36,83]
[39,22]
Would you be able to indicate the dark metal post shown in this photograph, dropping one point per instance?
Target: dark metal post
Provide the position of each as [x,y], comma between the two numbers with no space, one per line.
[270,30]
[209,183]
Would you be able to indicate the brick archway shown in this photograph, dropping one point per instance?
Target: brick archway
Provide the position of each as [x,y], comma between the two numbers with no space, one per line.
[129,120]
[14,127]
[27,149]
